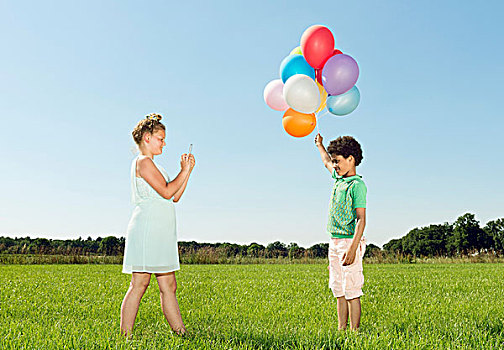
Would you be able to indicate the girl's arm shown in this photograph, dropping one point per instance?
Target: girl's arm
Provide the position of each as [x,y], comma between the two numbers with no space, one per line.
[150,173]
[181,190]
[326,159]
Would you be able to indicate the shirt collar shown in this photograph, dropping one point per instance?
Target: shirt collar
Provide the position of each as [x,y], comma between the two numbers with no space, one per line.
[349,178]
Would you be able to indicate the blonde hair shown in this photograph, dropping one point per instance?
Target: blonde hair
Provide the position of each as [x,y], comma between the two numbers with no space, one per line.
[149,124]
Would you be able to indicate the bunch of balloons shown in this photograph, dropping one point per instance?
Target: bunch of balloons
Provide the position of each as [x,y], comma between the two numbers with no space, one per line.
[314,76]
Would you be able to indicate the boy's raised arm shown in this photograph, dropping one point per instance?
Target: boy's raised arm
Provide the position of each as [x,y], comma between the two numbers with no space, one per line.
[326,159]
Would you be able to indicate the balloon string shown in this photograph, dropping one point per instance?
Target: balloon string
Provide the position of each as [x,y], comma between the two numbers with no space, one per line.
[318,116]
[326,112]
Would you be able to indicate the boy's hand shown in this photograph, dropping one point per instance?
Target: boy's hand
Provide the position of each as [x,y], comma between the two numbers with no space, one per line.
[349,256]
[326,159]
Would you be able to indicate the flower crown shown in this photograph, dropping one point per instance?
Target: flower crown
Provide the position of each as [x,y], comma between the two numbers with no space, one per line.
[154,116]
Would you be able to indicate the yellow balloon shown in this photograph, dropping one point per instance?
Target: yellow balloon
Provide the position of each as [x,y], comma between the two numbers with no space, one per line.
[296,51]
[323,97]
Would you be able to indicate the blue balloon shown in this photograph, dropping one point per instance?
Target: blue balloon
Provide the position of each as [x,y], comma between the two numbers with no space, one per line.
[295,64]
[345,103]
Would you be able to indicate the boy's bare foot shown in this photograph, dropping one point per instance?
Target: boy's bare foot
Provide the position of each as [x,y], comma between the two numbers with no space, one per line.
[127,334]
[180,332]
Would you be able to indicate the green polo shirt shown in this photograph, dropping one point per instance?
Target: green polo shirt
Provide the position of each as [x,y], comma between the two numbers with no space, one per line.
[348,194]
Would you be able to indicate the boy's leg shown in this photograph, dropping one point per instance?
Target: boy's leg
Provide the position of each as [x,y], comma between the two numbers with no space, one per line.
[354,280]
[129,308]
[342,313]
[355,313]
[336,251]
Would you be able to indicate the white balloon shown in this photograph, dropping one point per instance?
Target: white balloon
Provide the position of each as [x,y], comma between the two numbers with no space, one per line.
[302,94]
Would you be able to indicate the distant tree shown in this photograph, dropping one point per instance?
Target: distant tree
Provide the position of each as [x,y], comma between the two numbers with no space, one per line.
[393,246]
[41,245]
[122,244]
[295,251]
[318,250]
[94,246]
[255,250]
[276,249]
[484,241]
[427,241]
[231,249]
[7,242]
[495,230]
[408,242]
[371,250]
[77,243]
[467,235]
[109,245]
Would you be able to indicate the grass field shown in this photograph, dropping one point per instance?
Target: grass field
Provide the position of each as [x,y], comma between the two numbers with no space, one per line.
[437,306]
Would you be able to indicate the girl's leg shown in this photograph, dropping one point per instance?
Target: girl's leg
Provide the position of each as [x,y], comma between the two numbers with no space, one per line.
[342,313]
[167,289]
[355,313]
[129,308]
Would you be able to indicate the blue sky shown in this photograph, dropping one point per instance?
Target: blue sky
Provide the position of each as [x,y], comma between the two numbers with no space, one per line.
[76,77]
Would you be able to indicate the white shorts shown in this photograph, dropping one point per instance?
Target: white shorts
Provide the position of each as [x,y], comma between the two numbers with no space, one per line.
[345,281]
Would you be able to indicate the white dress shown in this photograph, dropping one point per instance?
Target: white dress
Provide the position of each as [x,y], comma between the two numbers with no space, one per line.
[151,237]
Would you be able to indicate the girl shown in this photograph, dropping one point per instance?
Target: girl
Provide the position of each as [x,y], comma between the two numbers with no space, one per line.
[151,238]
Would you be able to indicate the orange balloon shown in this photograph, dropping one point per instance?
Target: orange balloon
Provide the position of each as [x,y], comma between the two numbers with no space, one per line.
[323,97]
[298,124]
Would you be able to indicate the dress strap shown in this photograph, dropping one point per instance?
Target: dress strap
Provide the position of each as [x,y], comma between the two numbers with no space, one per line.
[134,181]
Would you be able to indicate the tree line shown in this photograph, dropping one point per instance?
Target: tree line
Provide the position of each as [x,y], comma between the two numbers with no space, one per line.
[461,238]
[25,245]
[113,246]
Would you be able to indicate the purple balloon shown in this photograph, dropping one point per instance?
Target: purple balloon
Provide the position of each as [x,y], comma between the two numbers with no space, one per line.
[339,74]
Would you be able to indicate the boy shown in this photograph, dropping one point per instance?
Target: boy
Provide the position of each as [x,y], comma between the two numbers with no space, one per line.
[347,219]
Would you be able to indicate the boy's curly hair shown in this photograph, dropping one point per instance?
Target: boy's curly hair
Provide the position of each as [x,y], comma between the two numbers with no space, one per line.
[149,124]
[346,146]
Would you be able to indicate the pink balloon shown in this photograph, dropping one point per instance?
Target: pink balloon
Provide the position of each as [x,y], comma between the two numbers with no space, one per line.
[273,95]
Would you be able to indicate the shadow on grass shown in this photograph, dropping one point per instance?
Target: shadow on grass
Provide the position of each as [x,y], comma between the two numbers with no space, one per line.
[270,340]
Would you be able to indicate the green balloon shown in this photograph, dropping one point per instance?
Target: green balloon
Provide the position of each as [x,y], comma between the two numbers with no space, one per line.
[296,51]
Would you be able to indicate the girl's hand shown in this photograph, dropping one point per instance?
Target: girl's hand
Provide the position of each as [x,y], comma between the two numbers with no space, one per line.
[185,163]
[318,140]
[192,161]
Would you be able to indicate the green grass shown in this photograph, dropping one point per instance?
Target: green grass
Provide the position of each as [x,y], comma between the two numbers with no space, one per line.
[428,306]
